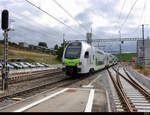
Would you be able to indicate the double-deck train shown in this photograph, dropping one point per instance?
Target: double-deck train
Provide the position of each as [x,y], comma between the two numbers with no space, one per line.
[80,58]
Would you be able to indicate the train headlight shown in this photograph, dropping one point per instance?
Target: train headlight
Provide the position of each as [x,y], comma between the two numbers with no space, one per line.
[79,64]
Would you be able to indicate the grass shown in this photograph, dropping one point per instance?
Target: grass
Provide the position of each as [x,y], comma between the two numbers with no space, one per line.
[29,56]
[126,56]
[142,70]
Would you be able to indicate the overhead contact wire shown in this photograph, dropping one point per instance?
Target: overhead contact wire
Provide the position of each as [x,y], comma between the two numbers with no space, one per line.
[53,17]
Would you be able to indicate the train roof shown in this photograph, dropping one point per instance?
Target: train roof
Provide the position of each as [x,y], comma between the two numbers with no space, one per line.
[85,43]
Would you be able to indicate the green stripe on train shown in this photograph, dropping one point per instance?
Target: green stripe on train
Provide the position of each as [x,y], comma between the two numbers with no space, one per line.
[70,62]
[96,62]
[104,62]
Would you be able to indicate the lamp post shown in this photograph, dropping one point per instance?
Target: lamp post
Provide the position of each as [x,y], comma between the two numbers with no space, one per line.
[143,45]
[120,48]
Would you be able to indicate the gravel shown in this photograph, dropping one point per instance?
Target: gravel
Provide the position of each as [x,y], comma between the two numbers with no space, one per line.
[13,88]
[104,82]
[139,77]
[101,83]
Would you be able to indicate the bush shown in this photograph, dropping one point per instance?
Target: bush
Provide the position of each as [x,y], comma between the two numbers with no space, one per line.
[140,66]
[29,60]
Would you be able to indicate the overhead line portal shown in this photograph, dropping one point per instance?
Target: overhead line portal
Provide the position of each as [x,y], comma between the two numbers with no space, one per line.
[112,40]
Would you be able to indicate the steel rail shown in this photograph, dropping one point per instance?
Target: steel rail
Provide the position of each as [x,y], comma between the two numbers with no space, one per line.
[121,93]
[54,85]
[32,76]
[18,75]
[129,104]
[135,84]
[31,89]
[140,88]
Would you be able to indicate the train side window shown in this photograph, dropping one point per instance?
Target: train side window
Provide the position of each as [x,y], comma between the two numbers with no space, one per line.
[86,54]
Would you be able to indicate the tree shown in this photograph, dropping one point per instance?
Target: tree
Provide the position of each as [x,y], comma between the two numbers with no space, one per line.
[60,51]
[43,44]
[56,47]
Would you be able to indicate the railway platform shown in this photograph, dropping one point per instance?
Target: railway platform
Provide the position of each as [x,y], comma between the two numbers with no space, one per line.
[64,100]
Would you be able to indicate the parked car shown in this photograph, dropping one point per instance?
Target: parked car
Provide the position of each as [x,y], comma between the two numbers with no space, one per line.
[1,66]
[30,65]
[10,66]
[22,64]
[45,65]
[16,66]
[40,65]
[19,65]
[35,64]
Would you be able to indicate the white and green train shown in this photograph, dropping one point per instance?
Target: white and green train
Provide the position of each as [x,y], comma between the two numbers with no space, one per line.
[81,58]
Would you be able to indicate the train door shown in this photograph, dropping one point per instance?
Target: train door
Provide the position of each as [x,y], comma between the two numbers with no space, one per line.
[92,59]
[87,61]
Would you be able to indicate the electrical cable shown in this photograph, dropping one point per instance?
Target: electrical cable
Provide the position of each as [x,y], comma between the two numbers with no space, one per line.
[141,17]
[69,14]
[121,10]
[53,17]
[128,14]
[48,35]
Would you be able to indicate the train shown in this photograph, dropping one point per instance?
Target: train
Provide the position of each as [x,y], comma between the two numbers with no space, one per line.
[80,57]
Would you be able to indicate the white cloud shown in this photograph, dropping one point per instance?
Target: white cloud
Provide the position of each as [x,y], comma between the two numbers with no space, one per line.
[27,13]
[74,7]
[138,16]
[112,32]
[99,21]
[95,12]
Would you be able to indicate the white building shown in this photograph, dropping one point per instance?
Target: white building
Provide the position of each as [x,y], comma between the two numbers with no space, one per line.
[24,44]
[140,58]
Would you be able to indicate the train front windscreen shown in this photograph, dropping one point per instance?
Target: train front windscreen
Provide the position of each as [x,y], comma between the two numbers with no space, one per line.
[73,51]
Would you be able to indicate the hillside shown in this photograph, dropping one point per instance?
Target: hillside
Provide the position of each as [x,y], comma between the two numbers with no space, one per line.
[29,56]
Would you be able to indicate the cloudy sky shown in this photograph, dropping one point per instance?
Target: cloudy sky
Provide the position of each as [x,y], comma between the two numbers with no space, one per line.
[105,17]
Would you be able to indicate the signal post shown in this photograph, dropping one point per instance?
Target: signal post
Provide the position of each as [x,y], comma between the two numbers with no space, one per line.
[4,71]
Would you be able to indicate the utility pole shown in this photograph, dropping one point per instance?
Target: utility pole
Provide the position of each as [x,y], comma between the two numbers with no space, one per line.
[143,45]
[63,38]
[4,26]
[51,60]
[120,48]
[5,60]
[89,37]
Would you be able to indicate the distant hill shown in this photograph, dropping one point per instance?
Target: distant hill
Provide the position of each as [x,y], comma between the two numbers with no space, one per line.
[126,56]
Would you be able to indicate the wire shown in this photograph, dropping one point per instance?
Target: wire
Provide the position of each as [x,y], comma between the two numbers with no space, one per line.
[69,14]
[142,14]
[119,17]
[53,17]
[105,36]
[141,17]
[128,14]
[121,10]
[45,33]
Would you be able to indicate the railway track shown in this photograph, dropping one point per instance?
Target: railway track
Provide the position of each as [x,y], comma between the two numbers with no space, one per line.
[54,83]
[23,94]
[132,97]
[16,78]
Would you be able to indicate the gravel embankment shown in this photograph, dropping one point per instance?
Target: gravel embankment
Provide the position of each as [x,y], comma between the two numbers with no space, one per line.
[141,78]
